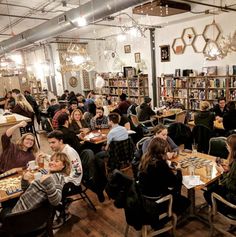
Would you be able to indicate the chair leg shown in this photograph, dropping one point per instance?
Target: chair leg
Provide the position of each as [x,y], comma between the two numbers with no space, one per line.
[85,197]
[36,137]
[126,230]
[144,231]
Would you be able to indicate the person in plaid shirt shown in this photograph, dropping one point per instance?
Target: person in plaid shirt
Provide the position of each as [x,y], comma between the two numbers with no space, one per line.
[99,120]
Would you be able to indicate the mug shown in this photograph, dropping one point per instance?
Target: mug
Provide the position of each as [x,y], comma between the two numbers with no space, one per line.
[31,165]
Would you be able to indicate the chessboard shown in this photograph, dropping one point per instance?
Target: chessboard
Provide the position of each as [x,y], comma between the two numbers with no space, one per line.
[197,162]
[10,184]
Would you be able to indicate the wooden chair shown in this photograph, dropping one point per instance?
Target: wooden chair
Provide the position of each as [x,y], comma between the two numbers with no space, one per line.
[179,118]
[34,222]
[136,123]
[218,148]
[166,214]
[30,128]
[227,216]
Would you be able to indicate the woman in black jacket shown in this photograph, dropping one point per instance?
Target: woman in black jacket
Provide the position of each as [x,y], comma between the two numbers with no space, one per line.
[157,178]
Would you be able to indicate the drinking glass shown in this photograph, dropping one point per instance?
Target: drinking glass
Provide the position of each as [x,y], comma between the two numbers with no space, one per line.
[191,170]
[194,148]
[209,168]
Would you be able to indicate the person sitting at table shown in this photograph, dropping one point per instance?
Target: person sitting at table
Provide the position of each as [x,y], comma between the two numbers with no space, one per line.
[48,187]
[19,154]
[73,106]
[43,108]
[23,107]
[168,180]
[72,97]
[226,187]
[9,101]
[220,108]
[172,103]
[77,122]
[229,118]
[205,117]
[99,120]
[161,131]
[63,109]
[117,132]
[123,119]
[69,136]
[52,109]
[90,113]
[145,111]
[65,95]
[124,104]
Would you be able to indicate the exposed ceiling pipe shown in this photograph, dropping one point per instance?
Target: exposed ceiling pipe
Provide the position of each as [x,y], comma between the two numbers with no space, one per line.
[25,17]
[92,11]
[211,5]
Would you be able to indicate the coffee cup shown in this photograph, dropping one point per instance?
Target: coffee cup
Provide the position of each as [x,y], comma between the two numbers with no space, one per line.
[32,165]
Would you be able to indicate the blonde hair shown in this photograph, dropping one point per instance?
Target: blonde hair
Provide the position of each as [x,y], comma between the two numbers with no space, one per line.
[20,141]
[65,160]
[23,103]
[73,114]
[204,105]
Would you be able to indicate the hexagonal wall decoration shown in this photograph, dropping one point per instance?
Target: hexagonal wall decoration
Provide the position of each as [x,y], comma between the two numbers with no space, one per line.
[188,35]
[199,43]
[211,31]
[178,46]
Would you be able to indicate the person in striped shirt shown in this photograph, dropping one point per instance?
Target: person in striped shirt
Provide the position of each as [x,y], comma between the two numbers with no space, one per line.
[48,187]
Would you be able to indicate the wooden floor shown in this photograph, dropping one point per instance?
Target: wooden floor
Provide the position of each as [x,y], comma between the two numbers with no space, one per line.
[108,221]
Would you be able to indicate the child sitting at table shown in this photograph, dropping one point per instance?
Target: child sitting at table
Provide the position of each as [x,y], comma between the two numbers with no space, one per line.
[48,187]
[19,154]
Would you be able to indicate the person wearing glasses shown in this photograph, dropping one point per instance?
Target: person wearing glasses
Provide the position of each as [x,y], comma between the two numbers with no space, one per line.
[19,154]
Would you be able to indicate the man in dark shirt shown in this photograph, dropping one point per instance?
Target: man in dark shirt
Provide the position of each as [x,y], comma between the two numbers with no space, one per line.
[220,108]
[145,111]
[53,108]
[124,104]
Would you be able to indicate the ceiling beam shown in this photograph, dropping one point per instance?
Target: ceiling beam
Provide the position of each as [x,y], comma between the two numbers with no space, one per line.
[25,17]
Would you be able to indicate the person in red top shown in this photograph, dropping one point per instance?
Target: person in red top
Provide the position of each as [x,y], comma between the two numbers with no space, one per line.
[63,109]
[19,154]
[124,104]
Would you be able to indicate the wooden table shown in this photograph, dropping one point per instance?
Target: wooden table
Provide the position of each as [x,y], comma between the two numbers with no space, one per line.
[103,135]
[203,177]
[217,124]
[3,195]
[4,125]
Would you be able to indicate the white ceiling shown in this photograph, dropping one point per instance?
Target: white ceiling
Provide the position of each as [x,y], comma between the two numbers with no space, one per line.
[10,26]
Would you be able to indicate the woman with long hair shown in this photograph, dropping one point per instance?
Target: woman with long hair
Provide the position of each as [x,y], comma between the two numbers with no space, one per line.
[157,178]
[43,108]
[23,107]
[19,154]
[227,184]
[48,187]
[78,124]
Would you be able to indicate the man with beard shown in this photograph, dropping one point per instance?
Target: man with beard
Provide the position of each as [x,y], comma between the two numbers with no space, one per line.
[99,120]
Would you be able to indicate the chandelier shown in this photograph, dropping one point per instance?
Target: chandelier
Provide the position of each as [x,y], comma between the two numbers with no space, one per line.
[76,58]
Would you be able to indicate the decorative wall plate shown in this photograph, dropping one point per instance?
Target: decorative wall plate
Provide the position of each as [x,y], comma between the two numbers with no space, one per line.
[73,81]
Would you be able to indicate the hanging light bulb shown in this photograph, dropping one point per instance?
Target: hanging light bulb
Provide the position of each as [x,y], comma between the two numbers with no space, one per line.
[81,21]
[121,37]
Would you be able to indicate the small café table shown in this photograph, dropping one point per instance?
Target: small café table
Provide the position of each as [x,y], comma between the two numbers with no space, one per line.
[9,182]
[99,136]
[217,124]
[193,211]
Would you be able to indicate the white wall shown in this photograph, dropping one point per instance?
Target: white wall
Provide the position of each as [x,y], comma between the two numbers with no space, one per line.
[190,59]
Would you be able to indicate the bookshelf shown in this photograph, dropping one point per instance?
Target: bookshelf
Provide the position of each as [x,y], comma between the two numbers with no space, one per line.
[135,87]
[191,90]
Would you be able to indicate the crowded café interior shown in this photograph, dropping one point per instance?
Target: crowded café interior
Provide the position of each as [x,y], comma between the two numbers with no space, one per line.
[117,118]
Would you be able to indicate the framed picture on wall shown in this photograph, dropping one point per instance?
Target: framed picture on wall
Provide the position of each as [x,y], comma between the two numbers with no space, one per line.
[129,72]
[165,53]
[127,49]
[137,57]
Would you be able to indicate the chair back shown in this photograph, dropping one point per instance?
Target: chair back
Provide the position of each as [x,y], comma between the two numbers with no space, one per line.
[139,144]
[218,148]
[222,214]
[134,120]
[201,136]
[180,117]
[120,154]
[138,110]
[30,222]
